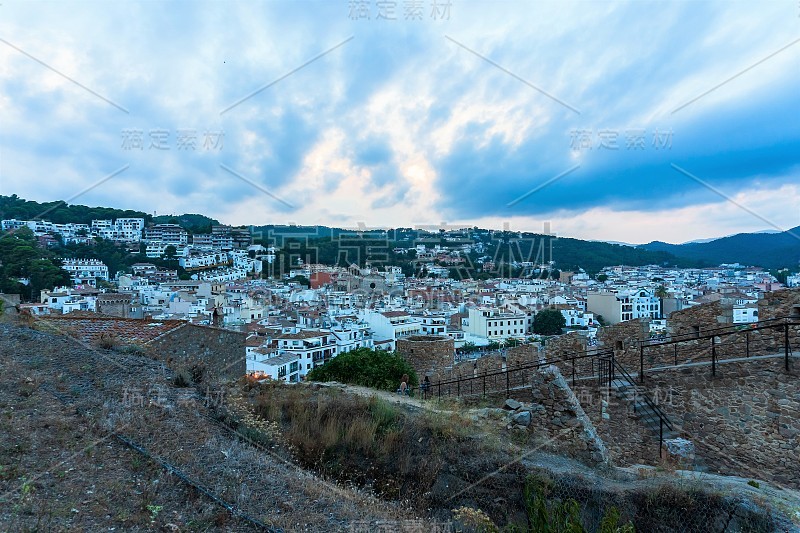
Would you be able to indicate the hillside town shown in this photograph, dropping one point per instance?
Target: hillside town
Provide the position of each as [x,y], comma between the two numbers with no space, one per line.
[299,318]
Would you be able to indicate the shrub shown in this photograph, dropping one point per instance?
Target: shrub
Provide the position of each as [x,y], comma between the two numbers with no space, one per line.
[107,341]
[182,378]
[370,368]
[474,520]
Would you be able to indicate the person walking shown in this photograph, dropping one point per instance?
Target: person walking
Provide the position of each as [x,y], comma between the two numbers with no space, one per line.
[403,385]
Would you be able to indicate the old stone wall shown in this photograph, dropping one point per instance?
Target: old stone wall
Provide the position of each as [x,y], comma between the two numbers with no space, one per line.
[570,343]
[627,439]
[557,410]
[780,304]
[427,352]
[624,339]
[743,421]
[697,319]
[209,353]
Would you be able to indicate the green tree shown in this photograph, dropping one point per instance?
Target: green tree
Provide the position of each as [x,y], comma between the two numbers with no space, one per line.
[43,275]
[549,322]
[780,275]
[302,280]
[602,278]
[170,252]
[366,367]
[661,293]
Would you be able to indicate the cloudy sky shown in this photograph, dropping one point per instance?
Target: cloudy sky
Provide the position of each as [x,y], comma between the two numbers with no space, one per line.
[626,121]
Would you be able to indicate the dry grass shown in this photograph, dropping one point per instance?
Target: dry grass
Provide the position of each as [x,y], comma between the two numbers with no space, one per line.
[369,441]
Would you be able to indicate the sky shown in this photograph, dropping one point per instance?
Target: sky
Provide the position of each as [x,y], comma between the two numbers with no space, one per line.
[618,121]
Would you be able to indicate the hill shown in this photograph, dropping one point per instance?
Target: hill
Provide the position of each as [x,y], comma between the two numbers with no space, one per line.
[125,447]
[193,223]
[768,250]
[60,212]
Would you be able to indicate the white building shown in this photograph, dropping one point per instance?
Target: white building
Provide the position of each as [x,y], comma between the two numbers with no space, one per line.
[491,323]
[352,336]
[392,325]
[167,233]
[283,367]
[744,314]
[85,271]
[574,317]
[311,347]
[616,307]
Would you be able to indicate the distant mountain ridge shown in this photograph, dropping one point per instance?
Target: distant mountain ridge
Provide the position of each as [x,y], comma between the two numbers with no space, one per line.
[765,248]
[768,250]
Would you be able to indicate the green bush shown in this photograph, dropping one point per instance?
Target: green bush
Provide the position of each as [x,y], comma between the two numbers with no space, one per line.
[370,368]
[549,322]
[548,514]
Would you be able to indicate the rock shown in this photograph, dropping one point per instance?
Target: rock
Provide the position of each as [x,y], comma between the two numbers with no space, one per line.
[522,418]
[512,405]
[680,447]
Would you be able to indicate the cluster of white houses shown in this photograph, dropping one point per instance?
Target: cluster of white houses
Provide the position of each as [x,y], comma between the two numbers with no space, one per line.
[292,328]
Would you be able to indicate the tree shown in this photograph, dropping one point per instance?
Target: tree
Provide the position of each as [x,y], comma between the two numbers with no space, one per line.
[602,278]
[780,275]
[661,293]
[302,280]
[44,274]
[366,367]
[549,322]
[555,274]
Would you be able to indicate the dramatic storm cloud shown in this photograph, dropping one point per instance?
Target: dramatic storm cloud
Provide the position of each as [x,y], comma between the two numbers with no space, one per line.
[626,121]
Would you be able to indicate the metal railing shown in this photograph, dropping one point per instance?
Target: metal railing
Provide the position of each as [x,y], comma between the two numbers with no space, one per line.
[691,343]
[609,375]
[510,377]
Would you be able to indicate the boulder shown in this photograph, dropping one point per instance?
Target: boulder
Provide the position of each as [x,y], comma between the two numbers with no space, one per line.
[523,418]
[512,405]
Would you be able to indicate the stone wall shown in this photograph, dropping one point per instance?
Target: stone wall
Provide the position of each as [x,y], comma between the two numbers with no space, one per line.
[427,353]
[208,352]
[624,339]
[522,355]
[628,440]
[556,409]
[743,421]
[570,343]
[698,319]
[780,304]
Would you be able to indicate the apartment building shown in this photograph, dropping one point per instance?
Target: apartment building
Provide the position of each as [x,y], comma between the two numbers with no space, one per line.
[85,271]
[311,347]
[619,306]
[491,323]
[167,234]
